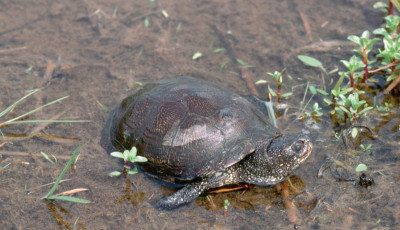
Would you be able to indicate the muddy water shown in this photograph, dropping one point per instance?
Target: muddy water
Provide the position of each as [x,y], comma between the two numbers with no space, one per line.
[97,51]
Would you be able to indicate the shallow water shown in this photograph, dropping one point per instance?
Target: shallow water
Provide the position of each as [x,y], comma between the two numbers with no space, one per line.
[97,51]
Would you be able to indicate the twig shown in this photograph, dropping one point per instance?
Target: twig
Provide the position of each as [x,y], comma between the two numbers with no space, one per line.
[13,49]
[306,25]
[384,67]
[72,191]
[392,85]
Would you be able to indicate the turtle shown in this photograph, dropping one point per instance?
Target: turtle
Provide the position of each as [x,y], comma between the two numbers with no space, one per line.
[201,136]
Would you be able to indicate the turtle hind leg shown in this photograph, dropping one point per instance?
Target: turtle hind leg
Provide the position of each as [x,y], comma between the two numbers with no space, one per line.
[185,195]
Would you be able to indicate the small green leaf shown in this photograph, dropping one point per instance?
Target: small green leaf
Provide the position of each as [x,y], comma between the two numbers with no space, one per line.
[164,13]
[133,151]
[197,55]
[327,101]
[380,5]
[311,61]
[272,92]
[361,168]
[217,50]
[47,157]
[261,82]
[286,95]
[354,39]
[226,204]
[146,22]
[354,132]
[132,171]
[241,62]
[28,70]
[323,92]
[103,107]
[140,159]
[115,173]
[313,90]
[117,154]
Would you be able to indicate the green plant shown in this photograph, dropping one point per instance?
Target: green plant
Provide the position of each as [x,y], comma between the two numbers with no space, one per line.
[50,196]
[129,156]
[226,206]
[278,78]
[366,45]
[361,168]
[351,107]
[367,148]
[384,109]
[310,61]
[391,45]
[352,65]
[316,111]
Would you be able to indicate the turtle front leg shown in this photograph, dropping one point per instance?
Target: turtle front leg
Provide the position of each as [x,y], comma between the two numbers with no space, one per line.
[190,192]
[183,196]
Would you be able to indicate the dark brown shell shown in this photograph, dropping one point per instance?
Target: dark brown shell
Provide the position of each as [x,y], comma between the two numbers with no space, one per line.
[186,128]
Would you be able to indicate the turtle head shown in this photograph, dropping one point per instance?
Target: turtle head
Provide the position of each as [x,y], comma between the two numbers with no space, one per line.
[286,152]
[274,160]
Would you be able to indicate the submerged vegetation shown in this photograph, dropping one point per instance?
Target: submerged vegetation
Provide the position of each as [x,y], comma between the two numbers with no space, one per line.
[64,195]
[345,101]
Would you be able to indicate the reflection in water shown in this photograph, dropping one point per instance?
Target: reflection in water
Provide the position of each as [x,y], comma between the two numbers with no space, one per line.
[52,206]
[135,198]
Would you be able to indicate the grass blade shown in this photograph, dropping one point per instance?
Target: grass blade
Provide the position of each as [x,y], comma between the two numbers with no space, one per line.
[44,121]
[4,112]
[62,173]
[70,199]
[47,158]
[34,110]
[271,113]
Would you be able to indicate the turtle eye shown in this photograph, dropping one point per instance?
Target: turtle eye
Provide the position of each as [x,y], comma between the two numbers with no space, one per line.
[298,146]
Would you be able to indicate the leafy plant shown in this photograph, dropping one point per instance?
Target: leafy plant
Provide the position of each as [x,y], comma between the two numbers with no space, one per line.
[316,111]
[129,156]
[384,109]
[366,45]
[351,107]
[352,65]
[367,148]
[226,206]
[278,78]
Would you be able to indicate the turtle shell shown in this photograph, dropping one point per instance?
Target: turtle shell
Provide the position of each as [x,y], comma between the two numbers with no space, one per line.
[186,128]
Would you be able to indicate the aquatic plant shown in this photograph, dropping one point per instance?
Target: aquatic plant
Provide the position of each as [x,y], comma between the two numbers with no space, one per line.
[63,196]
[129,156]
[21,119]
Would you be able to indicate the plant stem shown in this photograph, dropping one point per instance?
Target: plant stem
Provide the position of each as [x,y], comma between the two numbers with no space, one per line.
[365,57]
[333,102]
[384,67]
[390,7]
[352,81]
[279,90]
